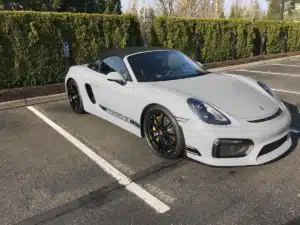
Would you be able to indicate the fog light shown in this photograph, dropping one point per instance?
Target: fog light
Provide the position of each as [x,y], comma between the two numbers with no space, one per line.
[231,148]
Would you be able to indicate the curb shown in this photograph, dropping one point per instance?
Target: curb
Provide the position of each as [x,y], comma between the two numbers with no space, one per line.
[252,64]
[32,101]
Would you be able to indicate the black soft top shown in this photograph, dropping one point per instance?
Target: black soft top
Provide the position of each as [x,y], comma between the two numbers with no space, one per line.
[122,52]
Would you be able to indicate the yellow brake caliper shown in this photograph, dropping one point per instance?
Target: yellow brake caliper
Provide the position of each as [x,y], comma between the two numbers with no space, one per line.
[154,128]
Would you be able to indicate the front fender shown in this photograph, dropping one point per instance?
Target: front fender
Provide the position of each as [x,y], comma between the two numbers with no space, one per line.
[174,101]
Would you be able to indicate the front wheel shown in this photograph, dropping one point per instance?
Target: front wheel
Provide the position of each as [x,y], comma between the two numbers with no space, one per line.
[163,133]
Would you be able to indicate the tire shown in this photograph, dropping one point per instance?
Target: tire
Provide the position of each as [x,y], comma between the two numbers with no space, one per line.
[74,97]
[163,134]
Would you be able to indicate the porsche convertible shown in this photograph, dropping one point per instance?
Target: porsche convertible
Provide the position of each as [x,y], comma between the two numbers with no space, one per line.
[181,109]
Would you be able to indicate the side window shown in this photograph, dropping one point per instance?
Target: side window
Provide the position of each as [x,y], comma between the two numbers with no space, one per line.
[114,64]
[95,65]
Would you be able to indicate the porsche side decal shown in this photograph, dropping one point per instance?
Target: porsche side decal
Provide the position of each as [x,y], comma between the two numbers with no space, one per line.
[120,116]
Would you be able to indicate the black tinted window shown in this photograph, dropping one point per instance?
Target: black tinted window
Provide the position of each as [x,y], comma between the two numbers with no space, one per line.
[163,65]
[114,64]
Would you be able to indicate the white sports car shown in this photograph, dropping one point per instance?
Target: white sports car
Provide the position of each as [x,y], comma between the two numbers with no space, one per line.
[218,119]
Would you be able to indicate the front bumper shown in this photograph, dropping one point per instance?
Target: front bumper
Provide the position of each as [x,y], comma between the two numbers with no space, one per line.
[271,139]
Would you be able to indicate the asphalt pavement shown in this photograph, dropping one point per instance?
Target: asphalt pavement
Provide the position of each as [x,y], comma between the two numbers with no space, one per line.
[40,170]
[46,179]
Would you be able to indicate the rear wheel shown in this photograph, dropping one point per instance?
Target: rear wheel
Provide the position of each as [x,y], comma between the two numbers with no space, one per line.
[163,133]
[74,97]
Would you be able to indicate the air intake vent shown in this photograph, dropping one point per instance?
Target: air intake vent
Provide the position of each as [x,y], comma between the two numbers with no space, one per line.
[90,93]
[272,146]
[278,113]
[193,150]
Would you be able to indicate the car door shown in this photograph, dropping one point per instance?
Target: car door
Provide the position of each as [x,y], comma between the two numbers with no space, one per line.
[112,96]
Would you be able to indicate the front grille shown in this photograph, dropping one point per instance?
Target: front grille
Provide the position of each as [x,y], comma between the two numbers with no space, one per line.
[272,146]
[278,113]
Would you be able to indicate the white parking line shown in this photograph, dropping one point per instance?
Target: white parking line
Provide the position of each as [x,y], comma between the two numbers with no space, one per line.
[288,65]
[158,192]
[286,91]
[131,186]
[267,72]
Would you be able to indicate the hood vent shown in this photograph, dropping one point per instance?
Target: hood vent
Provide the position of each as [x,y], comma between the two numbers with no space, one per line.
[277,114]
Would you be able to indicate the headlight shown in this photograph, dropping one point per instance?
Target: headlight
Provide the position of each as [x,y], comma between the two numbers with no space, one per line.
[267,89]
[207,113]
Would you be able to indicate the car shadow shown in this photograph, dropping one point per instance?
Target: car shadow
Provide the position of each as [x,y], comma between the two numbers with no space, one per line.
[295,125]
[294,222]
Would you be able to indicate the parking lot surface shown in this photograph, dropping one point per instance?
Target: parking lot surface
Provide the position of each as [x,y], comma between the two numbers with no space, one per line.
[40,170]
[46,179]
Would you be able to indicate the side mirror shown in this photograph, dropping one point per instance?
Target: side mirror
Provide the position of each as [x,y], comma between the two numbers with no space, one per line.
[200,65]
[116,77]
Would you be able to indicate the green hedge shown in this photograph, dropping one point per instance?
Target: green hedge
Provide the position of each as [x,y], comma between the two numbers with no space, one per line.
[215,36]
[273,30]
[31,43]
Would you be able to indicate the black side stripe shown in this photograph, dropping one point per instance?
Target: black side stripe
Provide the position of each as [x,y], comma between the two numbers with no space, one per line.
[135,123]
[120,116]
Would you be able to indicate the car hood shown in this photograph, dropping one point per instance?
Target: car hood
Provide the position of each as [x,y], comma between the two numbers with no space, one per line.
[231,95]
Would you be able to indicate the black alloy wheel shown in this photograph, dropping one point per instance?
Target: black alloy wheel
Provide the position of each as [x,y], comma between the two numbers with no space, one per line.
[74,97]
[163,133]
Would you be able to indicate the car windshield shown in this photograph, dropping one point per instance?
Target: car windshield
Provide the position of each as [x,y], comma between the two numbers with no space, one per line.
[163,65]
